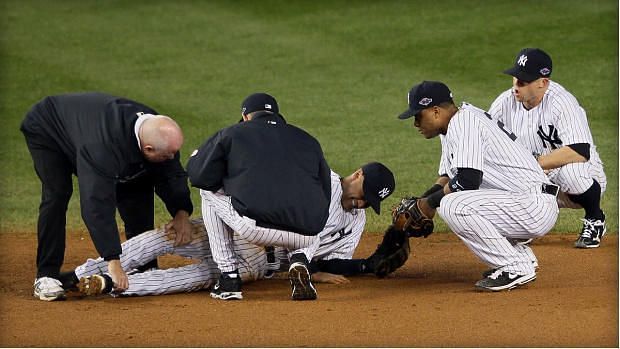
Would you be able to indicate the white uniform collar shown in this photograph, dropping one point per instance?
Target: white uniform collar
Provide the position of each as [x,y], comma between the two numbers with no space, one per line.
[141,118]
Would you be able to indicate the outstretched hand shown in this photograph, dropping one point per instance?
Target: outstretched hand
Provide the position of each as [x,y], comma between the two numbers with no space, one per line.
[119,278]
[329,278]
[181,228]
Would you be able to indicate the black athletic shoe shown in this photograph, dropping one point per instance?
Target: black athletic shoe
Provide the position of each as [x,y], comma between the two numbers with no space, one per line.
[503,280]
[591,234]
[301,282]
[69,280]
[228,287]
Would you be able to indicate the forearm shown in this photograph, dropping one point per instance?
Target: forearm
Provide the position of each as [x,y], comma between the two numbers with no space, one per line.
[559,158]
[342,266]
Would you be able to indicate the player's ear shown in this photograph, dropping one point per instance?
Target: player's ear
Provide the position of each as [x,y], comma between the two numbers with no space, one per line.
[358,173]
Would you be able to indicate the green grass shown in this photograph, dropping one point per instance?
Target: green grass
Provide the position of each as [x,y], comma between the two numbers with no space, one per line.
[341,70]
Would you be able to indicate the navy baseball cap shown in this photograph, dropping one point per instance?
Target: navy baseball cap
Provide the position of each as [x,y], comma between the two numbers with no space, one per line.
[258,102]
[531,64]
[378,184]
[425,95]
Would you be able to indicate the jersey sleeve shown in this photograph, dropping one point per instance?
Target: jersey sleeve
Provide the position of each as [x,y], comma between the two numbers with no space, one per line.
[499,107]
[344,248]
[444,162]
[465,131]
[571,121]
[207,165]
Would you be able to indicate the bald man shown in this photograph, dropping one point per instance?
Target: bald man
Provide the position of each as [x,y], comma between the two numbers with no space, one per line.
[121,152]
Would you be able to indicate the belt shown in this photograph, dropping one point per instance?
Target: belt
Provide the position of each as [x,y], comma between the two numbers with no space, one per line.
[550,189]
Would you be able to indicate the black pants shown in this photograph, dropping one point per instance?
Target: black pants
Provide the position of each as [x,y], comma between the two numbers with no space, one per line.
[55,170]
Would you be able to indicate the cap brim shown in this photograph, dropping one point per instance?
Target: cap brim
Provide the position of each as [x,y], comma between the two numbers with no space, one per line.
[376,205]
[520,74]
[407,114]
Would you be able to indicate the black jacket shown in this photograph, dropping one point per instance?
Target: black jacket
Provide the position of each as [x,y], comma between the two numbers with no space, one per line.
[275,173]
[96,133]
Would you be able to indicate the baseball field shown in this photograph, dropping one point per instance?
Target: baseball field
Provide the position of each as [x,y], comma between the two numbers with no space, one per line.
[340,70]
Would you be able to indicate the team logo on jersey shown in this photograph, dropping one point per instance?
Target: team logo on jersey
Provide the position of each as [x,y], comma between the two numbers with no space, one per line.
[545,71]
[552,137]
[425,101]
[522,60]
[383,193]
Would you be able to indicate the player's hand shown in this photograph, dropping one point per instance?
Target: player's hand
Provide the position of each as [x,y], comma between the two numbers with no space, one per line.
[181,228]
[121,282]
[329,278]
[426,210]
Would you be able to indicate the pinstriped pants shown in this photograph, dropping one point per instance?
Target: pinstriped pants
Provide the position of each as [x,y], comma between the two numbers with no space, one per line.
[221,220]
[487,221]
[145,247]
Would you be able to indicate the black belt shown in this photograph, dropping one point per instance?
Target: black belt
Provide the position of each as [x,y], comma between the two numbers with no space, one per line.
[550,189]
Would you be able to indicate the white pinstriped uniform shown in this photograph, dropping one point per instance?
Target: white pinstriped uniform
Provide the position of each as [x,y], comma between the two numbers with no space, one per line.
[145,247]
[342,231]
[338,239]
[509,203]
[558,120]
[221,220]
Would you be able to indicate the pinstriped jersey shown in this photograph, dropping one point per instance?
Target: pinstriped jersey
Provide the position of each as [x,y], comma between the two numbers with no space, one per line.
[474,140]
[557,121]
[343,229]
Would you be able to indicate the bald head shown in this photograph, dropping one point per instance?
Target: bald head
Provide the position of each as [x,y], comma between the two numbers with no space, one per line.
[161,138]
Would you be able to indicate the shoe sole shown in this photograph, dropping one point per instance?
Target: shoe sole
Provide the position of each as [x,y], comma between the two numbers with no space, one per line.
[301,283]
[227,295]
[580,244]
[584,246]
[57,296]
[91,285]
[516,283]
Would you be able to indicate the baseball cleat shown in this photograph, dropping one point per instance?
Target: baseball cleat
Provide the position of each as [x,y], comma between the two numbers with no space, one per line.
[503,280]
[301,282]
[48,289]
[228,287]
[591,234]
[95,285]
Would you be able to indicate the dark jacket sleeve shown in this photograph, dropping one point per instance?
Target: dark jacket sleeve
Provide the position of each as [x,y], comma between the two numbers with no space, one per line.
[171,186]
[325,175]
[206,167]
[98,205]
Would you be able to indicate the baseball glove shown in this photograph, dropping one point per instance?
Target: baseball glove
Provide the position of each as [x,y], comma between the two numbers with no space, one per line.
[391,254]
[407,217]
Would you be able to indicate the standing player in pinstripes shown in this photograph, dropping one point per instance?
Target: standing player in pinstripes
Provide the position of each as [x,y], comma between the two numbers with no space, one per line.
[491,192]
[331,260]
[549,121]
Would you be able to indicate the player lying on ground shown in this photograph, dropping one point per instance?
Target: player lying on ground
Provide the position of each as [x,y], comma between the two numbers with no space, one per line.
[94,280]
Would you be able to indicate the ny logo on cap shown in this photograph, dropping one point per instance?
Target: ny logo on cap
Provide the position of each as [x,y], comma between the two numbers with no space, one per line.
[545,71]
[425,101]
[267,106]
[522,60]
[383,193]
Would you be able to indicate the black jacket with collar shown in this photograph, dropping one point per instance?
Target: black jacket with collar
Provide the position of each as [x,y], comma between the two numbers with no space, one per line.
[96,133]
[274,172]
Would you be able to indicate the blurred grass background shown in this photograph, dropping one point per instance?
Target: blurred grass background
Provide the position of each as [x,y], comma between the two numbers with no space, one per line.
[339,69]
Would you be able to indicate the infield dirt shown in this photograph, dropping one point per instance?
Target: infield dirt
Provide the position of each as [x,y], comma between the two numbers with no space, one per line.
[430,302]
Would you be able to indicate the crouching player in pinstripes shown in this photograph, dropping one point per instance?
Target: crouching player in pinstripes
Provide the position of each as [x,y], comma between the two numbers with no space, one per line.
[491,192]
[366,187]
[550,123]
[269,182]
